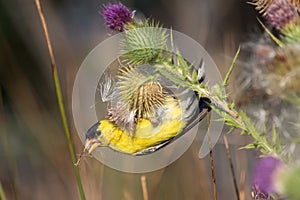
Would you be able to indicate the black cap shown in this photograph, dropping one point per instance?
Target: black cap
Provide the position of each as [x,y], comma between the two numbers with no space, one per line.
[93,132]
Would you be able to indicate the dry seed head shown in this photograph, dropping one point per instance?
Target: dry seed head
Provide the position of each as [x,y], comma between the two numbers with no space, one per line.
[138,95]
[146,99]
[129,80]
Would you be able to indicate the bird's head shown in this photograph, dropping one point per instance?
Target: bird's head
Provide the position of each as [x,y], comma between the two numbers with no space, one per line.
[91,140]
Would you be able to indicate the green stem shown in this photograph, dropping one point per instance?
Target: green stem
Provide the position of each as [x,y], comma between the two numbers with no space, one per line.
[67,131]
[2,194]
[60,99]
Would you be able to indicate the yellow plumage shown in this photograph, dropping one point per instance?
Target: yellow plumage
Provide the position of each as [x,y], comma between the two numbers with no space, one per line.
[147,133]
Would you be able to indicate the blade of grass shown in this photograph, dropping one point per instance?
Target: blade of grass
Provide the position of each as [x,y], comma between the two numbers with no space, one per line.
[231,67]
[59,99]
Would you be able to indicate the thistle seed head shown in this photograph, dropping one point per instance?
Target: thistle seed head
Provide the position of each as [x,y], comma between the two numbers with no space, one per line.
[146,99]
[138,95]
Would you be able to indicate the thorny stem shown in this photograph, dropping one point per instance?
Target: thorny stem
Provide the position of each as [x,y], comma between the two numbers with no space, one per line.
[60,99]
[220,104]
[234,115]
[176,74]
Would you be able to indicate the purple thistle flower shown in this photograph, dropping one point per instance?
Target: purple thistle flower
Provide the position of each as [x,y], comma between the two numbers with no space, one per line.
[265,176]
[281,12]
[116,16]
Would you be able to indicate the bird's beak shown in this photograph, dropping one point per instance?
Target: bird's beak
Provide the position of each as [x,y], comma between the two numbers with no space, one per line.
[91,145]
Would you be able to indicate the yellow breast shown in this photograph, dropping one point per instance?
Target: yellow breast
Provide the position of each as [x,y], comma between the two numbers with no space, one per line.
[168,124]
[120,140]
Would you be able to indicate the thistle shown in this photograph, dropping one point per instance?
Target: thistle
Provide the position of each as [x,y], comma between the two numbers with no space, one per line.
[268,81]
[138,96]
[116,16]
[280,13]
[263,5]
[130,79]
[273,179]
[146,99]
[265,176]
[143,43]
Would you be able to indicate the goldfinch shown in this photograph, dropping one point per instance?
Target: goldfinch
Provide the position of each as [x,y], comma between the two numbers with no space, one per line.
[143,115]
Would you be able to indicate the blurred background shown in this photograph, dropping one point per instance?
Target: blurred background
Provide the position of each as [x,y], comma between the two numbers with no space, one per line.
[34,156]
